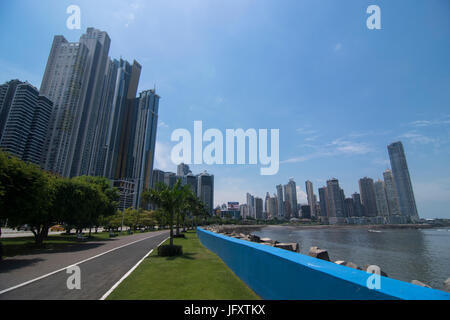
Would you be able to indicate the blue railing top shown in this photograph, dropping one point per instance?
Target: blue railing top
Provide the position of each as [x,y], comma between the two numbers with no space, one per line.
[396,289]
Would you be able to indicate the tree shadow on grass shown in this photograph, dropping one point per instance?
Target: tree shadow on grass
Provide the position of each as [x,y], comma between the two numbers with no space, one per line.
[186,255]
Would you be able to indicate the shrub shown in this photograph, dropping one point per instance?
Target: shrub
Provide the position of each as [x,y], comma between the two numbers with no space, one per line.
[170,251]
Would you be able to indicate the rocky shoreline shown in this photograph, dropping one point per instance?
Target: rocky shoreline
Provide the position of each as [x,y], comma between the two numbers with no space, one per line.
[244,233]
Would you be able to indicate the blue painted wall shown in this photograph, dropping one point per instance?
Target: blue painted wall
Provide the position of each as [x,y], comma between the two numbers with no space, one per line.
[277,274]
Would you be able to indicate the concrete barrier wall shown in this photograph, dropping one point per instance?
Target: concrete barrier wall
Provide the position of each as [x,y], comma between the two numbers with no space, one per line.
[277,274]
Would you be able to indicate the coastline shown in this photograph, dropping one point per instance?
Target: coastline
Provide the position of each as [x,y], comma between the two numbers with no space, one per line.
[244,228]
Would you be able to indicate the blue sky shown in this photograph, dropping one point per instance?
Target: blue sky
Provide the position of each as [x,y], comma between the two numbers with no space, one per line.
[338,92]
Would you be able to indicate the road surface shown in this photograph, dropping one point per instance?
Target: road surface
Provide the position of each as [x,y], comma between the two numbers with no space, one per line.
[102,264]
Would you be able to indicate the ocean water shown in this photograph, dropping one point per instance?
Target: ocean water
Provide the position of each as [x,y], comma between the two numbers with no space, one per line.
[404,254]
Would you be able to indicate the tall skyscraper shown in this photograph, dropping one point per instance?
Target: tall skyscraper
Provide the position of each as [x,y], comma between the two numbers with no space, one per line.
[259,208]
[65,83]
[357,206]
[335,200]
[311,198]
[24,121]
[97,43]
[290,193]
[349,207]
[251,206]
[280,201]
[391,193]
[119,124]
[124,165]
[36,139]
[368,197]
[7,91]
[323,200]
[105,117]
[407,202]
[380,198]
[206,190]
[145,141]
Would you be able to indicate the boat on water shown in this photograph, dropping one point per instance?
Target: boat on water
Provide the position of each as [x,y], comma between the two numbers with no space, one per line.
[375,231]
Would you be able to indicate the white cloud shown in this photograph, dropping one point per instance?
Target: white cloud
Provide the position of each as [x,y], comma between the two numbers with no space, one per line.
[302,197]
[417,138]
[444,120]
[162,157]
[335,148]
[349,147]
[306,131]
[162,124]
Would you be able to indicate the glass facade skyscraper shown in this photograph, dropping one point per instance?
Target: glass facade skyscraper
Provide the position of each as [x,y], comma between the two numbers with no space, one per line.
[368,200]
[407,202]
[24,120]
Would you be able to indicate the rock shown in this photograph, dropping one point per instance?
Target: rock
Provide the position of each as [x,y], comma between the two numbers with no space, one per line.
[417,282]
[447,285]
[288,246]
[381,271]
[268,240]
[348,264]
[254,238]
[318,253]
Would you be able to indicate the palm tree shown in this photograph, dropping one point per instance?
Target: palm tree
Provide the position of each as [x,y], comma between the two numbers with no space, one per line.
[169,200]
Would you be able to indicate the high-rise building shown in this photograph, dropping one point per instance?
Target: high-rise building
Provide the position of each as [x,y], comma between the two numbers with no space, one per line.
[391,193]
[368,201]
[243,208]
[205,190]
[97,43]
[158,178]
[183,169]
[407,202]
[267,203]
[145,141]
[335,200]
[105,118]
[324,205]
[311,198]
[7,91]
[358,210]
[280,201]
[124,166]
[349,207]
[251,206]
[36,138]
[306,212]
[290,193]
[25,118]
[65,82]
[259,209]
[380,198]
[273,207]
[192,182]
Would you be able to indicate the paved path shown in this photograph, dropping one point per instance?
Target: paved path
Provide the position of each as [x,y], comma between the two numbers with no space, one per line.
[98,274]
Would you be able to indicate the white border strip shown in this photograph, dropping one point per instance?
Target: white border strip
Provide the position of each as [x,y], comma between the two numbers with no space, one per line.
[129,272]
[62,269]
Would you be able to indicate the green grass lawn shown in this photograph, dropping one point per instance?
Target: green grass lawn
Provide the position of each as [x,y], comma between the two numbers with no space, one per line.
[197,275]
[25,245]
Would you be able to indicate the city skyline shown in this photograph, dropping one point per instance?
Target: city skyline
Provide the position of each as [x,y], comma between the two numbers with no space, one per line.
[325,85]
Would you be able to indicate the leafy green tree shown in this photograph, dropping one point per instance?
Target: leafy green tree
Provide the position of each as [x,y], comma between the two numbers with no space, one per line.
[25,196]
